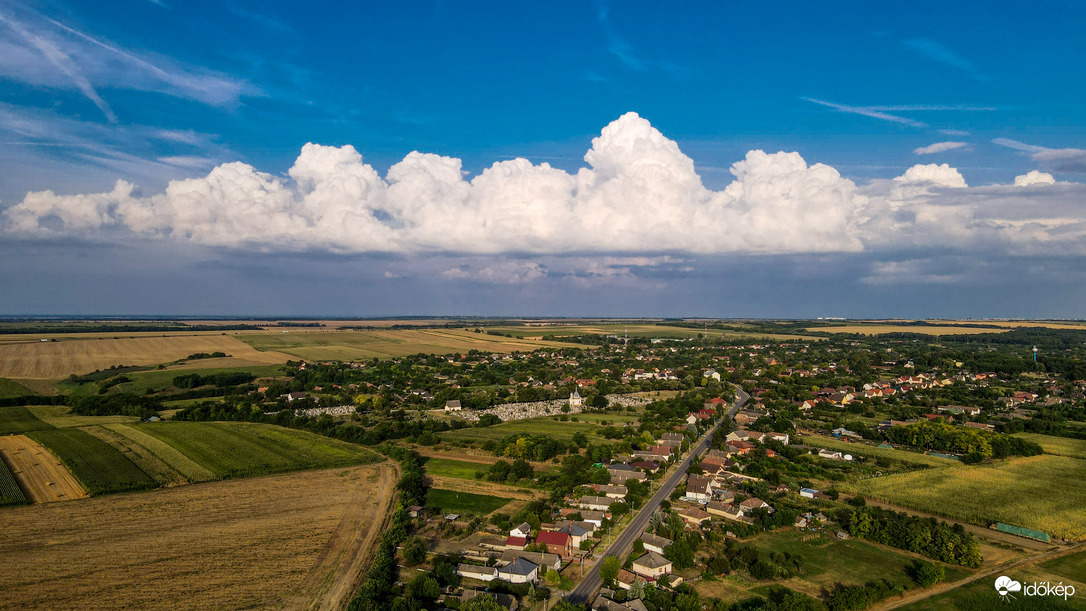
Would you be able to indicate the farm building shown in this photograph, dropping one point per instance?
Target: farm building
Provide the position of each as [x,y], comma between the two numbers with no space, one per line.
[453,406]
[473,571]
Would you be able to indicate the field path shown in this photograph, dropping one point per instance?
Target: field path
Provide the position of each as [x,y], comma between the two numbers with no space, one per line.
[349,550]
[481,458]
[39,471]
[918,594]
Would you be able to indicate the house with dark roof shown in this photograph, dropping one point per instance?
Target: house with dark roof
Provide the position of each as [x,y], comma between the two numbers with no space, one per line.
[654,543]
[651,566]
[519,571]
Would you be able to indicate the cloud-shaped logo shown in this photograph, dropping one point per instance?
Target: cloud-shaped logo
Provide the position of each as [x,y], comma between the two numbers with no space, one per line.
[1005,585]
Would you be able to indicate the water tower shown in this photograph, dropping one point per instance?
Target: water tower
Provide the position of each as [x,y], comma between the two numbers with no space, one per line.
[1035,354]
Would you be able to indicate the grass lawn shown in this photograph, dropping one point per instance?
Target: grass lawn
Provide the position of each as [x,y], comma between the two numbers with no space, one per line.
[860,449]
[99,466]
[61,417]
[446,467]
[544,425]
[159,380]
[828,559]
[239,449]
[464,503]
[1060,446]
[1041,492]
[9,388]
[20,420]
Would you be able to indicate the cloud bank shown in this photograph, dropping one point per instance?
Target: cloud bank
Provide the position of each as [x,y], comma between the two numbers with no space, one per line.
[638,194]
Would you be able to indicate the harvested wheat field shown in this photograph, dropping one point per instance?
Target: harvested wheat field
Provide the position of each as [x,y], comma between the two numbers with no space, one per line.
[56,360]
[39,471]
[283,541]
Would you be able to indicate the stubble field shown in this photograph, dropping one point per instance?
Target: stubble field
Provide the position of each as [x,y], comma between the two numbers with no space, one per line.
[42,475]
[361,345]
[298,540]
[33,359]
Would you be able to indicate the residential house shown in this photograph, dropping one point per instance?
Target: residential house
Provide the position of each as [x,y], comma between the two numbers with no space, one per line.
[550,561]
[614,492]
[717,508]
[597,503]
[519,571]
[694,516]
[754,503]
[523,529]
[654,543]
[453,406]
[576,533]
[557,542]
[781,437]
[699,487]
[652,566]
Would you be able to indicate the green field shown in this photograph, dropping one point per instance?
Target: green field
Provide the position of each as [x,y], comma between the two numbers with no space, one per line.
[99,466]
[240,449]
[545,425]
[446,467]
[19,420]
[1041,492]
[9,388]
[1060,446]
[826,560]
[61,417]
[10,492]
[464,503]
[184,465]
[860,449]
[158,380]
[140,456]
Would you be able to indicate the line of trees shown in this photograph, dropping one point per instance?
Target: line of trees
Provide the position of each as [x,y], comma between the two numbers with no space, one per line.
[925,536]
[975,443]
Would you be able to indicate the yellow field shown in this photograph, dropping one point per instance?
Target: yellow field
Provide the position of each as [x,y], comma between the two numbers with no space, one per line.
[357,345]
[44,478]
[539,329]
[56,360]
[878,329]
[1041,492]
[1060,446]
[299,541]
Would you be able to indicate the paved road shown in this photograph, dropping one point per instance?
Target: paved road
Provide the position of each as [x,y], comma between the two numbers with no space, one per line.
[622,545]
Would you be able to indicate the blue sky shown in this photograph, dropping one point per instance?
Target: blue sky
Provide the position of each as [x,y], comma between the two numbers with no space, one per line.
[784,160]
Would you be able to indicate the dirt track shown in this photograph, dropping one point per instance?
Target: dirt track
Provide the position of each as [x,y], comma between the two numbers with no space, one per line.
[41,474]
[284,541]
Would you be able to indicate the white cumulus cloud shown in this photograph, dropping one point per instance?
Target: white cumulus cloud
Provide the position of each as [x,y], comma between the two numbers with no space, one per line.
[1033,177]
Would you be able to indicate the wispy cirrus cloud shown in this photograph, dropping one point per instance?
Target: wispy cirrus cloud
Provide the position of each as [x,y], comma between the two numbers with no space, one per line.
[1060,160]
[43,52]
[938,52]
[867,111]
[618,47]
[886,112]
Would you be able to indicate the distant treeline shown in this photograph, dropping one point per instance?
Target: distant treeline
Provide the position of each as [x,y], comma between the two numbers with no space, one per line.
[112,328]
[219,380]
[299,324]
